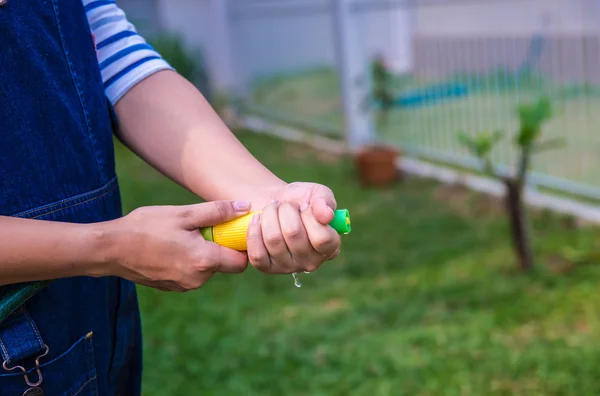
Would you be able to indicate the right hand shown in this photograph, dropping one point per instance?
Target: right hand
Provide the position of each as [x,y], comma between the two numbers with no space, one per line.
[161,246]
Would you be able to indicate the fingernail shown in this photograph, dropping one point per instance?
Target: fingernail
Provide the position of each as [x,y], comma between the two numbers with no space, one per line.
[241,206]
[256,218]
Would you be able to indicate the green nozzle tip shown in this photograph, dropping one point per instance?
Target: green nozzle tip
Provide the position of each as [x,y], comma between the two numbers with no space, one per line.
[207,233]
[341,221]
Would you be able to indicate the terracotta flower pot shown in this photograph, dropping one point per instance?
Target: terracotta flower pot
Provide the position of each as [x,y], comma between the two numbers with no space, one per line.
[376,165]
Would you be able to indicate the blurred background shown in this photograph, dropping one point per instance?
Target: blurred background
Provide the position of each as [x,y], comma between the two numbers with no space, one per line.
[472,267]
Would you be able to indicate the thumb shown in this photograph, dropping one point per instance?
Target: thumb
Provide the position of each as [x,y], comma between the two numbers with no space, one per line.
[322,211]
[213,213]
[323,204]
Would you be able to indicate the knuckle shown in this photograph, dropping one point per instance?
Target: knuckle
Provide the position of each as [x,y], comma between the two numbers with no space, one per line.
[202,263]
[186,214]
[293,232]
[274,240]
[263,266]
[256,257]
[321,242]
[222,209]
[326,243]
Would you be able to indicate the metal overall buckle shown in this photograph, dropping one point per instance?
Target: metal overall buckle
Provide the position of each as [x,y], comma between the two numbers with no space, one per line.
[34,389]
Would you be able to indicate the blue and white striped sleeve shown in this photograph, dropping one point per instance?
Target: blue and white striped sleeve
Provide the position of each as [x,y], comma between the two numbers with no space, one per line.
[124,57]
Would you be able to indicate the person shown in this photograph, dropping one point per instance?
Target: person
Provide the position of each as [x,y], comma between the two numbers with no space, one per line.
[73,75]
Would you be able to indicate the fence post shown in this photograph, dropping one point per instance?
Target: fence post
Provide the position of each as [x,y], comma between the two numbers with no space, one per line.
[354,74]
[227,75]
[402,21]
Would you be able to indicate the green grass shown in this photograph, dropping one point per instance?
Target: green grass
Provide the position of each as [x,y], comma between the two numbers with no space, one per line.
[424,300]
[314,98]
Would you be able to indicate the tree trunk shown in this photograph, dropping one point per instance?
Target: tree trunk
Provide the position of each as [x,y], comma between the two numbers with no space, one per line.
[514,207]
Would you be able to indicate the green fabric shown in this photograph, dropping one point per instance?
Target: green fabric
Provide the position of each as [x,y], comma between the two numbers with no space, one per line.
[13,296]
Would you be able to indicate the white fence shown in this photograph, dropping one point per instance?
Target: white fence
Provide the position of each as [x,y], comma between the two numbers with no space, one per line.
[460,65]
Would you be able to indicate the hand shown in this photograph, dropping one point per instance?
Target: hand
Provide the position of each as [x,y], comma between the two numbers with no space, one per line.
[293,234]
[162,247]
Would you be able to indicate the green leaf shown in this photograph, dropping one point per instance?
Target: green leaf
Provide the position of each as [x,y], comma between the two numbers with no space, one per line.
[482,144]
[531,117]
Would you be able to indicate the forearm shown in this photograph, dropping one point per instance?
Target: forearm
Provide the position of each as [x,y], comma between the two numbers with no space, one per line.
[33,250]
[166,121]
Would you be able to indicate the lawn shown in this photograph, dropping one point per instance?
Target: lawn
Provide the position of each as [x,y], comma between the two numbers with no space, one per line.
[424,300]
[312,99]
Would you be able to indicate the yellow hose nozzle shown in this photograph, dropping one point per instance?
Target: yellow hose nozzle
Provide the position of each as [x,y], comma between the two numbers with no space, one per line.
[232,234]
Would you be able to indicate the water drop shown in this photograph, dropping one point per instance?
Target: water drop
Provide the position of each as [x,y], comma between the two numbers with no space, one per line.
[297,282]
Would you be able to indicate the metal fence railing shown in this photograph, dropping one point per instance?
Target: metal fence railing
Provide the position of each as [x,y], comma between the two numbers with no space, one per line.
[483,61]
[459,65]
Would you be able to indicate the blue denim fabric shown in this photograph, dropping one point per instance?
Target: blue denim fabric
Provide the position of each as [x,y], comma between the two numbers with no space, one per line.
[57,164]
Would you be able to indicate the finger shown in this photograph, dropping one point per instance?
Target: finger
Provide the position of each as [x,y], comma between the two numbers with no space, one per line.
[321,192]
[323,238]
[295,235]
[220,259]
[212,213]
[257,251]
[273,238]
[322,210]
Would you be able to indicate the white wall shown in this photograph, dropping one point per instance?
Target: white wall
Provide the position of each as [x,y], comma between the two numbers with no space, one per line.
[189,18]
[507,18]
[296,41]
[273,44]
[143,14]
[389,32]
[193,20]
[299,38]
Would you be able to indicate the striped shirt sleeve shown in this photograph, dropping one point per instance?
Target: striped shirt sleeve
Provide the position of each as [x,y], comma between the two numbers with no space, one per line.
[124,57]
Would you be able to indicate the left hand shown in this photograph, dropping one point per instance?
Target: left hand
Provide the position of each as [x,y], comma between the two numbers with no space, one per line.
[292,234]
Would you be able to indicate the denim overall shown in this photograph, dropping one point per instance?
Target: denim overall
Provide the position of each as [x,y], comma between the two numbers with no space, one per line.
[57,164]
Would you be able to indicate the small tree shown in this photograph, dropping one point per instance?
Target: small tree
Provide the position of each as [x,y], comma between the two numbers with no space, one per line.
[382,89]
[531,117]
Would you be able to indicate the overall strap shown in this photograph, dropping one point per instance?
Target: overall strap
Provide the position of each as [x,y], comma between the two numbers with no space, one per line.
[20,339]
